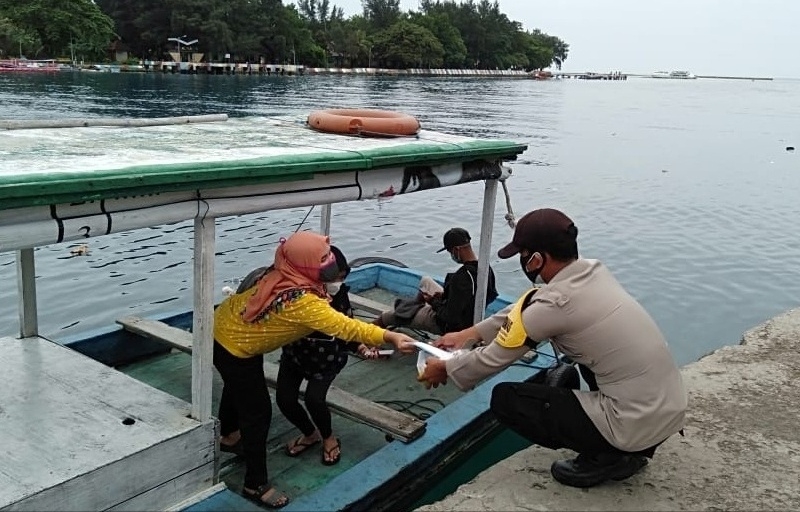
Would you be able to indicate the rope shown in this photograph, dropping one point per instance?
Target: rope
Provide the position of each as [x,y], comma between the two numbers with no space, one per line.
[509,216]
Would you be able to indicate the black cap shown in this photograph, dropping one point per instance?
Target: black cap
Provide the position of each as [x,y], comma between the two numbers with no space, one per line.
[455,237]
[341,261]
[539,230]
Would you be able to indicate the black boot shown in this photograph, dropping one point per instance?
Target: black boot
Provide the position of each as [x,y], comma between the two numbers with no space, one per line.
[591,470]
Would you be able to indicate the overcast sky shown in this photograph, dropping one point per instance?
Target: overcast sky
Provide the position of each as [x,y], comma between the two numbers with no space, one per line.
[706,37]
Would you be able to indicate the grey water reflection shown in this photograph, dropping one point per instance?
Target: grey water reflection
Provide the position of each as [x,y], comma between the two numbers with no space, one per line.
[684,189]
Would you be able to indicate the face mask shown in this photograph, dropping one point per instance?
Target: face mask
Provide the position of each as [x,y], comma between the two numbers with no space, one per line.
[530,274]
[329,272]
[333,288]
[454,257]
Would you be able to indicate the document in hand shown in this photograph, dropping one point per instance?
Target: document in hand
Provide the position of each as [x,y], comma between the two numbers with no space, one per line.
[426,350]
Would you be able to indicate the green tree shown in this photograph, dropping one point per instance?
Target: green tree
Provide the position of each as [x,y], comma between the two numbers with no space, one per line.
[17,41]
[455,51]
[407,45]
[58,23]
[381,14]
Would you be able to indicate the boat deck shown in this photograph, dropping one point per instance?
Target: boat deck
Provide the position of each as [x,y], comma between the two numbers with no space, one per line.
[82,436]
[384,381]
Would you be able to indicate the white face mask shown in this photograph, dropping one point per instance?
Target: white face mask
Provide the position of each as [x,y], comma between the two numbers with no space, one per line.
[333,288]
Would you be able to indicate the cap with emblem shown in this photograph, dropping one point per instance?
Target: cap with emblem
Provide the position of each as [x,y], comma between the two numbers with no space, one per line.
[541,230]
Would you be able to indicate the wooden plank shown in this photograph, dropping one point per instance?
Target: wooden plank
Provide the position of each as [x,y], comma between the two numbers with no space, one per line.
[26,284]
[368,305]
[87,437]
[159,331]
[195,483]
[203,318]
[400,425]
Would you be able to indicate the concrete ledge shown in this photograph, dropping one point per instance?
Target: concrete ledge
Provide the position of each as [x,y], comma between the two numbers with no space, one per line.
[741,450]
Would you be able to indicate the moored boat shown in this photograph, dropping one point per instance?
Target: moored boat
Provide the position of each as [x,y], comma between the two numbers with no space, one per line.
[29,66]
[675,75]
[132,426]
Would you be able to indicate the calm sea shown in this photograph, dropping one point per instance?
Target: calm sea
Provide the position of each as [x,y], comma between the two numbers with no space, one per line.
[685,189]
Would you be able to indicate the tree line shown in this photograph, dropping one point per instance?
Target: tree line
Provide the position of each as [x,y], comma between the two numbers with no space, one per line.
[315,33]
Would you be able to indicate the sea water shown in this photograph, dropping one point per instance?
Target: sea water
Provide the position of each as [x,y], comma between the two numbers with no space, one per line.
[685,189]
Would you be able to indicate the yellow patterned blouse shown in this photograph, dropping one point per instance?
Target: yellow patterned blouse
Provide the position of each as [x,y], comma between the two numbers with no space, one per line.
[293,316]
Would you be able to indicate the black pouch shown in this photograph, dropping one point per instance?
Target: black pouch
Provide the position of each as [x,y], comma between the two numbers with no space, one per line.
[563,375]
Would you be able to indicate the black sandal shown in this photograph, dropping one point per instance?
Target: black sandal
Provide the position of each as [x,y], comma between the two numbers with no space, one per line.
[335,460]
[274,500]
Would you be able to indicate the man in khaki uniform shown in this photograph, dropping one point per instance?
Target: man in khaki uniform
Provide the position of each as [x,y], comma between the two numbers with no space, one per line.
[636,398]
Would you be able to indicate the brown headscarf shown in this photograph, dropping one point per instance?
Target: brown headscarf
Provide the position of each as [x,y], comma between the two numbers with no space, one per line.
[297,264]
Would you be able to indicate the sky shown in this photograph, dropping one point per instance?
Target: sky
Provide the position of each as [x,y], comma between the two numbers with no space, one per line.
[705,37]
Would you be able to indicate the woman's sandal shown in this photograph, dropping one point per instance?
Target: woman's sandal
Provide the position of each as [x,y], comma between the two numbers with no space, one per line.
[276,499]
[335,460]
[298,446]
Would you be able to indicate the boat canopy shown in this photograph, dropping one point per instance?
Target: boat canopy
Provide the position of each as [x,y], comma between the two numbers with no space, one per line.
[78,179]
[44,166]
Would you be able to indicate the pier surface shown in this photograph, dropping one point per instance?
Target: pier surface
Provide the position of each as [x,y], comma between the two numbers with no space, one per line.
[741,450]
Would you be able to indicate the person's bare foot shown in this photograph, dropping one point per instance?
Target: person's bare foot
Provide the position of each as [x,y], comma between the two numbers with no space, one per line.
[331,450]
[266,495]
[231,439]
[300,444]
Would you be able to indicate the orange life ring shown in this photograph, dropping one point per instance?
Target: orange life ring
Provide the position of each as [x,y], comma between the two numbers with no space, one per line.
[358,121]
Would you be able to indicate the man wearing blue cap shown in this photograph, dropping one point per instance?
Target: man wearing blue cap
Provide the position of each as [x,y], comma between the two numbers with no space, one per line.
[636,398]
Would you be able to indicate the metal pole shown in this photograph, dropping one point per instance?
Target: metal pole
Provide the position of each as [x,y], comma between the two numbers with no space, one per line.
[487,224]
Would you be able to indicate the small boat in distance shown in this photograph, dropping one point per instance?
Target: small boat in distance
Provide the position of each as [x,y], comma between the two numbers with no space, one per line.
[29,66]
[676,75]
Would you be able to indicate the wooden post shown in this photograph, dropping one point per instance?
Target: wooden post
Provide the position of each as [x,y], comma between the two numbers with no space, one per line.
[484,252]
[26,290]
[203,319]
[325,220]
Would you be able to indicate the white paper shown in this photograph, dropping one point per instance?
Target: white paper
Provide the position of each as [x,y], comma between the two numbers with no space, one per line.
[426,350]
[435,351]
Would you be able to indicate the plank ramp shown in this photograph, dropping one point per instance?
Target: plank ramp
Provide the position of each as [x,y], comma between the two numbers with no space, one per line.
[399,425]
[83,436]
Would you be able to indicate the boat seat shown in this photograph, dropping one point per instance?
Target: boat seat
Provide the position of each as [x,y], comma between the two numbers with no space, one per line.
[368,305]
[397,424]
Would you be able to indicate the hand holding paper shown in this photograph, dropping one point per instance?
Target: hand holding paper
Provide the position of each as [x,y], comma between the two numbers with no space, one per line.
[431,364]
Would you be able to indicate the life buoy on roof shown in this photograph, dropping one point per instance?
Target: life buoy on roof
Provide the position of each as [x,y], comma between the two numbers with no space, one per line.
[364,121]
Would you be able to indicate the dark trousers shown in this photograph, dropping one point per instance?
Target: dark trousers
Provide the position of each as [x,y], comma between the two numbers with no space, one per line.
[553,417]
[245,405]
[287,395]
[548,416]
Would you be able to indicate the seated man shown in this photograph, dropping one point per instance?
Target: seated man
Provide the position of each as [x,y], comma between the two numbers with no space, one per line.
[440,310]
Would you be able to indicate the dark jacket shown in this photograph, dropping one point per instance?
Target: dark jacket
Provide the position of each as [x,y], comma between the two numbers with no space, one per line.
[456,307]
[318,355]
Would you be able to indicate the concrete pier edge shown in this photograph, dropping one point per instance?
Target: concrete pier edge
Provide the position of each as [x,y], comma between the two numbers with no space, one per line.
[741,450]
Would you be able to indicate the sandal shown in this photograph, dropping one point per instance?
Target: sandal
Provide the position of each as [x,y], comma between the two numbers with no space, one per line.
[296,447]
[335,460]
[276,499]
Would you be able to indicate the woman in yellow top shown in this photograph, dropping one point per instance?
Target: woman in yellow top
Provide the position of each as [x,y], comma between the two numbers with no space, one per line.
[286,304]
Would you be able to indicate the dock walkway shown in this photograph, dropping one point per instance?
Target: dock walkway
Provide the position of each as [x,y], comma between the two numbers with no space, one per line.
[741,450]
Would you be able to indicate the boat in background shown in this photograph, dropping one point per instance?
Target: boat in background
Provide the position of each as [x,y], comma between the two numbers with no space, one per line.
[131,426]
[676,75]
[29,66]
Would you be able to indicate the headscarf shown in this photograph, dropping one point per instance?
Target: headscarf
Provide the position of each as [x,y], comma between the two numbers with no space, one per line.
[297,264]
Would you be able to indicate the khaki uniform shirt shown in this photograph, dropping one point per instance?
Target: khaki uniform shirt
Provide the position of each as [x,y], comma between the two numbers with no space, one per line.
[588,316]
